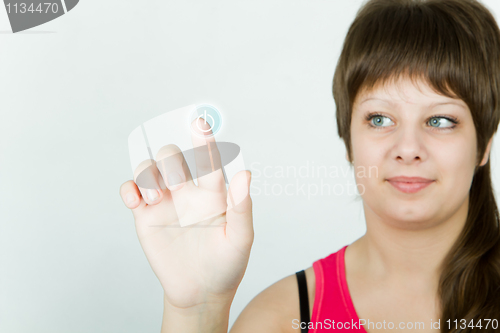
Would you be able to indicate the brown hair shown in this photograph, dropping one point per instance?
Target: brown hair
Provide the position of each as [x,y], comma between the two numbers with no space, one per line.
[454,46]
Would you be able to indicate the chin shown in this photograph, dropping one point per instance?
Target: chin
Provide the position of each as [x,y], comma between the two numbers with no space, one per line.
[409,219]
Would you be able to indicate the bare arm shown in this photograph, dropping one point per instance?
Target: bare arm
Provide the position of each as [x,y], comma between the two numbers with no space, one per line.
[276,308]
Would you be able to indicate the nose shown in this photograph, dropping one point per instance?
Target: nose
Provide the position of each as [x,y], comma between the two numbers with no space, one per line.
[409,146]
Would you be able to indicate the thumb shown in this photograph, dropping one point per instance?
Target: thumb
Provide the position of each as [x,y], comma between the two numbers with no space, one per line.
[239,227]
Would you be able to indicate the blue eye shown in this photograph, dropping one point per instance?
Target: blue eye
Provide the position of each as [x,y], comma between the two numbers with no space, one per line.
[435,122]
[379,120]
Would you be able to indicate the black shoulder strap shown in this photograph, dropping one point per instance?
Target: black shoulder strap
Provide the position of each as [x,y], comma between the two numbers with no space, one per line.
[303,299]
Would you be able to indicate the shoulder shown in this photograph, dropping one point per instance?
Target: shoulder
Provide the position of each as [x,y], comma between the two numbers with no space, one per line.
[275,308]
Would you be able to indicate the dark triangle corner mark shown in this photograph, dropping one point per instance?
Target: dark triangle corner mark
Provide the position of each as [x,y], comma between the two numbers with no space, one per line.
[70,4]
[22,16]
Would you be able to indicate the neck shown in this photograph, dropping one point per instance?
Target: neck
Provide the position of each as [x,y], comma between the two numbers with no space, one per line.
[411,256]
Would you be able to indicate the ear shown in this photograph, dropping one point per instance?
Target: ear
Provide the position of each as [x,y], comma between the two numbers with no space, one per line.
[486,153]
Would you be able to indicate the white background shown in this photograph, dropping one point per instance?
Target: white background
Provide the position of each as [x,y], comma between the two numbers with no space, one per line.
[71,91]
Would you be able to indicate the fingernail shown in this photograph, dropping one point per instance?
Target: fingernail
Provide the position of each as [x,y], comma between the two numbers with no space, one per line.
[130,198]
[173,179]
[152,194]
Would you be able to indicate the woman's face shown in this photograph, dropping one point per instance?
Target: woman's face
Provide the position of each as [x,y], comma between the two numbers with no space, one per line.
[401,131]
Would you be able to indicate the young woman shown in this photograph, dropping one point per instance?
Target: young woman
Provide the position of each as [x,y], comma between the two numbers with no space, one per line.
[417,91]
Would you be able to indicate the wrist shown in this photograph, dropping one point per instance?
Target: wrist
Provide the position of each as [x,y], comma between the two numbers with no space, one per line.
[210,316]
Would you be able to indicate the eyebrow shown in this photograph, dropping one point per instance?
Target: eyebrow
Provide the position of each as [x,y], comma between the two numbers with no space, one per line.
[430,105]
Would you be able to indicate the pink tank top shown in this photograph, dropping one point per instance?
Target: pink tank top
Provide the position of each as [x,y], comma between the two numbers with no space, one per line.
[333,306]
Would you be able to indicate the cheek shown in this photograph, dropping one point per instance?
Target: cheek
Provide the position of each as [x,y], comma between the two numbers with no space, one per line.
[455,163]
[367,153]
[365,150]
[368,158]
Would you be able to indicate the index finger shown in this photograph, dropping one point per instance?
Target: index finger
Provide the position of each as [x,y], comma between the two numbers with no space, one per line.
[208,160]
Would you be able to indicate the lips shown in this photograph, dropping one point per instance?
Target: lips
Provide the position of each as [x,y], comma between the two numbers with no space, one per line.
[409,184]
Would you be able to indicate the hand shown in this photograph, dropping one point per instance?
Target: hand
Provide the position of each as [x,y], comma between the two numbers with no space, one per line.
[195,265]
